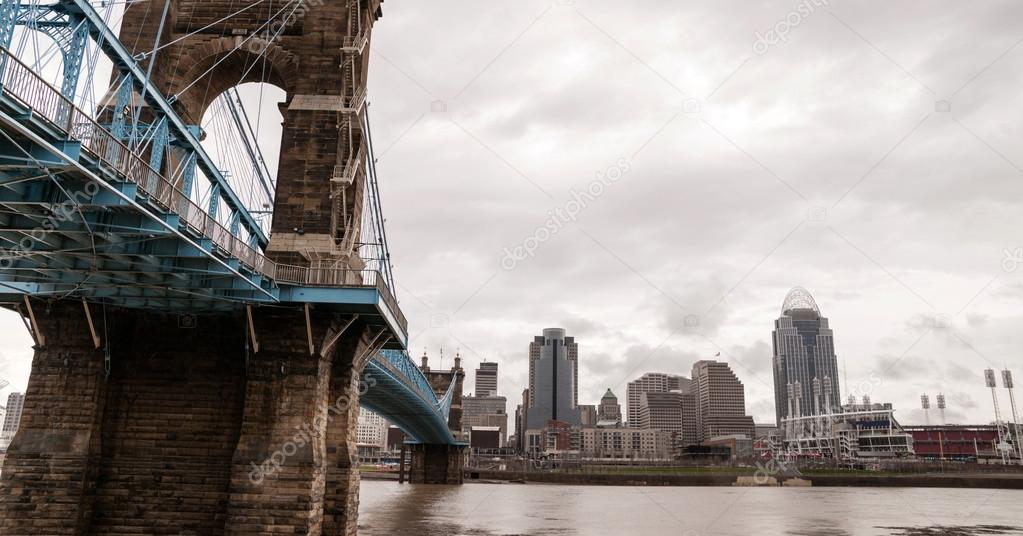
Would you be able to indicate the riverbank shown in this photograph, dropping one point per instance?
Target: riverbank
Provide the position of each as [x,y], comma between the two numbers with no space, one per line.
[863,479]
[379,475]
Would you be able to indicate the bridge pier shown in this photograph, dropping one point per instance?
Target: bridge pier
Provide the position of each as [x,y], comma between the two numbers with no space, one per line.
[189,433]
[49,477]
[437,464]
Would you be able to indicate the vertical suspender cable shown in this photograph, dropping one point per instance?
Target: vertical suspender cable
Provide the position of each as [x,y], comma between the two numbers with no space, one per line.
[152,58]
[377,212]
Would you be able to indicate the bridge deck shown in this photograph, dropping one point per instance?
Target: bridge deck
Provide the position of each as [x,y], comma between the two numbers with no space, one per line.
[84,215]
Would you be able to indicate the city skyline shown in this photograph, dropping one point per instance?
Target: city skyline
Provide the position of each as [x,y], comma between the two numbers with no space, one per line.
[373,267]
[723,236]
[591,390]
[715,230]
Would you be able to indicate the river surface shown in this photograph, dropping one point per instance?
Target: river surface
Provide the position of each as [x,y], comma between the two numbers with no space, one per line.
[389,508]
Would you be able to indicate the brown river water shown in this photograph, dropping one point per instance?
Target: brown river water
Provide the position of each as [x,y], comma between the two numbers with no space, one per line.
[388,508]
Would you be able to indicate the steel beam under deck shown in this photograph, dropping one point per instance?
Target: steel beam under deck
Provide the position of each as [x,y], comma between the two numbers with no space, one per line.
[18,130]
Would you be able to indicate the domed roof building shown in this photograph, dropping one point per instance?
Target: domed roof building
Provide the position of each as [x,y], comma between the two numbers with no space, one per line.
[799,299]
[609,409]
[805,364]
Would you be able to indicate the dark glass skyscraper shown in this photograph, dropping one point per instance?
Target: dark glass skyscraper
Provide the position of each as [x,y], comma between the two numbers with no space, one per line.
[552,388]
[805,364]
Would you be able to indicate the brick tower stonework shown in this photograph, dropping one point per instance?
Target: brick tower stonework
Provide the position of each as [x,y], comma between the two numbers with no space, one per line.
[190,432]
[174,428]
[316,51]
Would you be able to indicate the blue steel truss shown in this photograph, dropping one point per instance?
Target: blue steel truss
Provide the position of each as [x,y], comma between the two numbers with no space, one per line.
[401,392]
[86,213]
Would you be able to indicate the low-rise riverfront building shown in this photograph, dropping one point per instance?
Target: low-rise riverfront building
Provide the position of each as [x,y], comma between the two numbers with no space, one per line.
[859,432]
[956,442]
[626,444]
[556,439]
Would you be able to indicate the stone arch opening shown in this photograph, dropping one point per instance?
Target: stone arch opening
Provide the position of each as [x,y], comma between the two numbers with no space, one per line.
[246,143]
[205,70]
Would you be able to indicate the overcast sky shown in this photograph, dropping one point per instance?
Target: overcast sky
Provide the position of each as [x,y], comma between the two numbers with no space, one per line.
[871,152]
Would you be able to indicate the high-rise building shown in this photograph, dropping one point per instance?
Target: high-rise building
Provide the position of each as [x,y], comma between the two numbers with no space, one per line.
[571,350]
[690,417]
[674,412]
[371,430]
[588,414]
[553,380]
[661,411]
[651,382]
[520,422]
[720,402]
[805,364]
[609,409]
[15,405]
[486,379]
[485,411]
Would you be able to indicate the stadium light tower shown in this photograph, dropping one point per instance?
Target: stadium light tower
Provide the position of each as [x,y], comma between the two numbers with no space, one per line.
[798,388]
[817,393]
[1003,443]
[1007,382]
[941,408]
[925,403]
[829,390]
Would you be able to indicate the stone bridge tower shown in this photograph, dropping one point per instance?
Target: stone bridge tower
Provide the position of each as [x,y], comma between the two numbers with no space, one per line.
[317,51]
[175,428]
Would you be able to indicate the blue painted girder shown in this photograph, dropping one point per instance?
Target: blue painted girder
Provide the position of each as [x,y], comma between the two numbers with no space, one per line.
[399,391]
[139,249]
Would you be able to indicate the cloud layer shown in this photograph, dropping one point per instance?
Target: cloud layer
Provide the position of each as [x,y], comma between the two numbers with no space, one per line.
[829,161]
[873,156]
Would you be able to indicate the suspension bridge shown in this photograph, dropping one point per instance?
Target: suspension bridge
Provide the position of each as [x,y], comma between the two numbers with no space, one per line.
[193,304]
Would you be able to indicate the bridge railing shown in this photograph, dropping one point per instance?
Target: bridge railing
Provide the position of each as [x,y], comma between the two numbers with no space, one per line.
[400,361]
[339,277]
[23,84]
